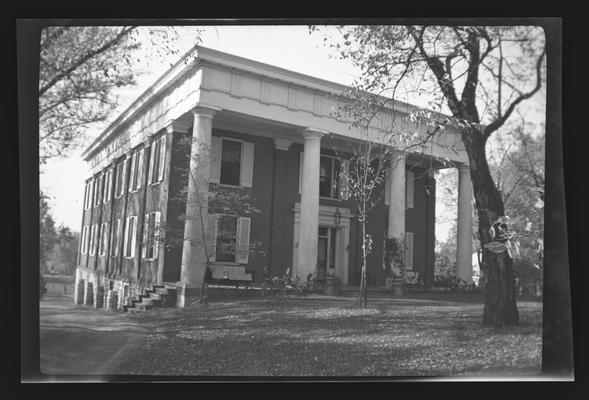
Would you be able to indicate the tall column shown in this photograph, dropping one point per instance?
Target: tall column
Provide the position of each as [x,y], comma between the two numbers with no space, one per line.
[309,216]
[464,227]
[193,254]
[396,226]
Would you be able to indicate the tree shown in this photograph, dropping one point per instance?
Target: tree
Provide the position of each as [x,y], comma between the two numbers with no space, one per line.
[47,232]
[480,75]
[80,69]
[68,249]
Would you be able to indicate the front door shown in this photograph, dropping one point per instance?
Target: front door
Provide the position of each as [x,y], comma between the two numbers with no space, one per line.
[326,252]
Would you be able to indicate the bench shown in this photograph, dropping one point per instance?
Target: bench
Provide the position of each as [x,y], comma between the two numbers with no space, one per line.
[223,276]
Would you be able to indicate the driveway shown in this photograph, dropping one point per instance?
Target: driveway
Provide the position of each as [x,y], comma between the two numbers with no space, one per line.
[79,340]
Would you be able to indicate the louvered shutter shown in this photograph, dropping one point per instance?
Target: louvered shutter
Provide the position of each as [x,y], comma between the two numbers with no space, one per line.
[156,235]
[124,176]
[132,177]
[410,189]
[345,171]
[215,153]
[126,238]
[140,169]
[211,238]
[387,186]
[151,163]
[134,237]
[243,240]
[409,250]
[162,160]
[145,234]
[247,164]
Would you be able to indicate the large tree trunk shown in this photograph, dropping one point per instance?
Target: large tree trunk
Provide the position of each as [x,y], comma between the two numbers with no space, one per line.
[500,301]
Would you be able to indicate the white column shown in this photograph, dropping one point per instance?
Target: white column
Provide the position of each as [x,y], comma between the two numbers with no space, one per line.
[464,227]
[193,254]
[396,226]
[309,217]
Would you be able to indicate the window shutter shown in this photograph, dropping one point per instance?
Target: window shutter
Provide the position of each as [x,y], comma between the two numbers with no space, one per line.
[243,240]
[126,238]
[301,172]
[211,237]
[409,250]
[156,234]
[132,175]
[145,233]
[134,237]
[215,164]
[344,192]
[124,176]
[387,186]
[151,163]
[247,164]
[140,169]
[162,160]
[410,189]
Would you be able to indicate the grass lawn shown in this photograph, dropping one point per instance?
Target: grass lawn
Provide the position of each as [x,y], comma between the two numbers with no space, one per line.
[332,336]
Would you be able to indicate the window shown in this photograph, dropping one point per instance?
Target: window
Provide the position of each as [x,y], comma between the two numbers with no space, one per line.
[121,168]
[130,237]
[328,177]
[136,170]
[85,239]
[93,238]
[115,238]
[98,190]
[88,195]
[232,162]
[232,237]
[409,251]
[151,235]
[157,160]
[226,238]
[107,186]
[103,239]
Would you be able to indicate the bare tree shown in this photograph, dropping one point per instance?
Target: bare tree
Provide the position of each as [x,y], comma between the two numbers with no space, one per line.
[480,75]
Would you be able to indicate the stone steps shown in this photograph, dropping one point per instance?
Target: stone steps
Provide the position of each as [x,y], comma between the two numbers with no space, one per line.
[155,297]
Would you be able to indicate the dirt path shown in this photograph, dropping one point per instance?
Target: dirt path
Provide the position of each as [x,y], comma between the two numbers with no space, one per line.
[77,340]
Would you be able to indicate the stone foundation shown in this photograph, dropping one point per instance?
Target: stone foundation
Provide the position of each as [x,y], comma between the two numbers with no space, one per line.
[103,292]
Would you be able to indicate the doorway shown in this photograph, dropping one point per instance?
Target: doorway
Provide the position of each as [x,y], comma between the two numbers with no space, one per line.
[326,252]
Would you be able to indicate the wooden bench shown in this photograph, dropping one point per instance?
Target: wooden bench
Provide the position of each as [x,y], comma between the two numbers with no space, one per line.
[225,276]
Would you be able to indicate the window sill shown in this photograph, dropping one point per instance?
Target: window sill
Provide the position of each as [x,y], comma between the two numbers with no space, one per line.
[155,183]
[330,198]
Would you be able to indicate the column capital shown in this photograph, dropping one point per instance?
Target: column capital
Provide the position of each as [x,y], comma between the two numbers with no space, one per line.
[282,144]
[175,125]
[463,168]
[310,133]
[205,110]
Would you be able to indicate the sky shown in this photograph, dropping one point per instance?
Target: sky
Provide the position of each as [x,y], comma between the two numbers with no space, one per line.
[289,47]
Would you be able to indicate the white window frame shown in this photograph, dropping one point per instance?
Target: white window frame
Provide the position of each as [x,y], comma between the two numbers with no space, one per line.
[107,195]
[84,240]
[244,180]
[98,190]
[133,237]
[121,166]
[93,234]
[343,192]
[90,194]
[156,177]
[103,240]
[135,179]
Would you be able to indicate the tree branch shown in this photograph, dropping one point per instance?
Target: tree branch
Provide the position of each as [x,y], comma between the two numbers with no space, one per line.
[84,58]
[496,124]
